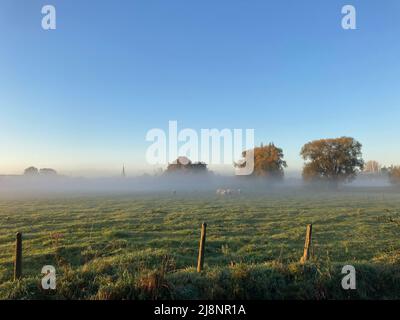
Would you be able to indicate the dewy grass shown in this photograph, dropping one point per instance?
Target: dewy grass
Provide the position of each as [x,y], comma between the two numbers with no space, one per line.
[145,247]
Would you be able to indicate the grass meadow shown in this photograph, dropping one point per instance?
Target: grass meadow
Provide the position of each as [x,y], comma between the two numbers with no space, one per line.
[145,246]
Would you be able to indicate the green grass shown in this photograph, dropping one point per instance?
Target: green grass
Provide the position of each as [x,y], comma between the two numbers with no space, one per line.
[145,246]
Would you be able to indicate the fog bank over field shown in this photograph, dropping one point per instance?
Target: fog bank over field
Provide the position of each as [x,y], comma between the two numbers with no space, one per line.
[22,186]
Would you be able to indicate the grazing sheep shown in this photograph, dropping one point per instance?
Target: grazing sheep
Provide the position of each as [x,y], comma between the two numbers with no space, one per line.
[228,192]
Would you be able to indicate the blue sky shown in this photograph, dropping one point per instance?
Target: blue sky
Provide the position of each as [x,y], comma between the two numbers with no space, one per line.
[81,98]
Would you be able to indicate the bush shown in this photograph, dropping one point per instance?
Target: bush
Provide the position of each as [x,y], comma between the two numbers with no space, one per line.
[394,175]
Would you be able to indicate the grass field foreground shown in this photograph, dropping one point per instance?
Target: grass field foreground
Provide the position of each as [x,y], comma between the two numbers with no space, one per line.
[145,246]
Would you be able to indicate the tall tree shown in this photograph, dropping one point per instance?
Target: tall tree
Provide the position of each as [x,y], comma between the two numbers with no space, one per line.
[268,162]
[332,160]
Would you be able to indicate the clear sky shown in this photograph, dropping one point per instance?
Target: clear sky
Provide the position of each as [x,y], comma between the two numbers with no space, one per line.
[82,97]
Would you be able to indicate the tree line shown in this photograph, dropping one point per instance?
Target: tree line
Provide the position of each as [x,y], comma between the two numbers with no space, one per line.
[332,161]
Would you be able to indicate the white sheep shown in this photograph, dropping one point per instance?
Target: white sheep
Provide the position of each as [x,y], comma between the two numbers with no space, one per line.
[228,192]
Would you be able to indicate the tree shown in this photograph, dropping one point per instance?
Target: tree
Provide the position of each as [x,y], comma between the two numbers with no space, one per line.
[394,175]
[385,171]
[332,160]
[268,162]
[48,172]
[372,167]
[31,171]
[184,165]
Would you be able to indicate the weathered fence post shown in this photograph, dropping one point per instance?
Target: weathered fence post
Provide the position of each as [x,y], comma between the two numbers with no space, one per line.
[18,257]
[200,260]
[307,244]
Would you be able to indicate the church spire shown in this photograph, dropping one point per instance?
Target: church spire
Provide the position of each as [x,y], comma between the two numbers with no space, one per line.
[123,173]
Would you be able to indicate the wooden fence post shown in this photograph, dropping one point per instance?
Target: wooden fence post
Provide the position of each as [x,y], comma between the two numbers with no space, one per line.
[307,244]
[200,260]
[18,257]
